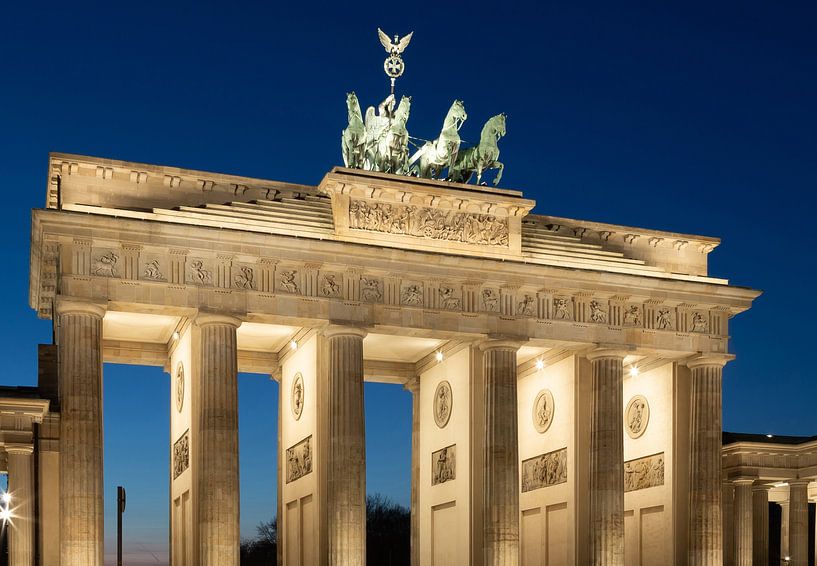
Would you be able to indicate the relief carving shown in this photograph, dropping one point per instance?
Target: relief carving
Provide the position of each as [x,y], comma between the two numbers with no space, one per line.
[663,319]
[152,271]
[179,387]
[245,279]
[105,265]
[632,316]
[288,283]
[637,416]
[299,459]
[699,322]
[422,222]
[525,307]
[447,299]
[544,470]
[370,290]
[443,403]
[330,287]
[490,300]
[444,465]
[561,309]
[200,275]
[412,295]
[297,396]
[543,409]
[597,313]
[181,454]
[644,472]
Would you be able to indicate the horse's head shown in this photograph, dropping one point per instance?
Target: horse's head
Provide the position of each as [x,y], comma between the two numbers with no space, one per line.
[497,124]
[456,114]
[402,112]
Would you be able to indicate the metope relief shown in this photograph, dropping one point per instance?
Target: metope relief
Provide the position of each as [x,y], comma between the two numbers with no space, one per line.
[644,472]
[430,223]
[443,403]
[699,322]
[663,319]
[598,313]
[637,416]
[526,306]
[448,300]
[543,409]
[371,290]
[330,286]
[544,470]
[561,309]
[490,300]
[181,454]
[152,271]
[179,383]
[287,283]
[244,278]
[105,265]
[444,465]
[632,315]
[299,459]
[297,396]
[198,274]
[412,295]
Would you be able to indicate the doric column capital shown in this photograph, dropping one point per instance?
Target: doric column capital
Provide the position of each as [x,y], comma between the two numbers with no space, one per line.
[760,485]
[344,330]
[501,344]
[19,449]
[207,318]
[605,352]
[744,481]
[78,306]
[712,360]
[799,483]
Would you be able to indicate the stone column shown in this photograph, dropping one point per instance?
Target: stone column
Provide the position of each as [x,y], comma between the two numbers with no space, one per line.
[500,460]
[21,488]
[346,468]
[705,527]
[414,386]
[743,521]
[760,524]
[784,529]
[216,453]
[728,517]
[798,522]
[607,458]
[81,488]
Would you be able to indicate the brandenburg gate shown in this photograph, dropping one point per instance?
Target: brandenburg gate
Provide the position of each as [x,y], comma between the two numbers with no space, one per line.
[566,374]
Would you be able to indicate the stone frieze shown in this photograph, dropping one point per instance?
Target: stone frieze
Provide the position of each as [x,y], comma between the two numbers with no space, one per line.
[299,459]
[444,465]
[644,472]
[544,470]
[181,454]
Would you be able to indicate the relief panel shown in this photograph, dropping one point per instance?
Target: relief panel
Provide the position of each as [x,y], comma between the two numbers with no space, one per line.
[644,472]
[181,454]
[544,470]
[444,465]
[299,459]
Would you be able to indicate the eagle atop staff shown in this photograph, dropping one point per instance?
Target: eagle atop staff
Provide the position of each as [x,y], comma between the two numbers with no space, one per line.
[393,65]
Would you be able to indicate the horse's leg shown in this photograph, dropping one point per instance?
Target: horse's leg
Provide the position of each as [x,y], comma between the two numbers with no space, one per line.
[501,166]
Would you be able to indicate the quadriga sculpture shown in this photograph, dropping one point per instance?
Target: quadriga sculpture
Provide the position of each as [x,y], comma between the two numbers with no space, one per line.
[430,160]
[387,137]
[353,138]
[482,157]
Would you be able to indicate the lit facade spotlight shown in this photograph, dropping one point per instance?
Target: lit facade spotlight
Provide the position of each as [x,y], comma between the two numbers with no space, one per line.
[540,364]
[293,345]
[769,436]
[5,514]
[439,356]
[6,498]
[634,371]
[176,335]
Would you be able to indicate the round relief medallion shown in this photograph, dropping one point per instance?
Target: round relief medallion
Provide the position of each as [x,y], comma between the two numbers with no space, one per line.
[179,387]
[297,396]
[443,402]
[543,409]
[636,416]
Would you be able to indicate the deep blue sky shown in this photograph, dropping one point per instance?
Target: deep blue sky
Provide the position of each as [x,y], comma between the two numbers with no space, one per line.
[697,117]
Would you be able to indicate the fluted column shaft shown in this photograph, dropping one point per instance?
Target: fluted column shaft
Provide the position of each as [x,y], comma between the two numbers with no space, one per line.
[760,525]
[607,459]
[500,492]
[21,488]
[414,387]
[784,529]
[798,522]
[216,455]
[728,498]
[705,526]
[743,522]
[346,469]
[80,383]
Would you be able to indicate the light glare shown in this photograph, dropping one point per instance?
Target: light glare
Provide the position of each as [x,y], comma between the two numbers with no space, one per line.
[293,345]
[540,364]
[439,356]
[634,371]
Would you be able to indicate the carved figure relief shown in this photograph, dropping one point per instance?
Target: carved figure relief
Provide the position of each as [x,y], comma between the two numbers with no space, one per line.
[245,278]
[561,309]
[663,319]
[443,403]
[447,299]
[105,265]
[597,313]
[200,275]
[444,465]
[152,271]
[699,322]
[637,416]
[412,295]
[490,300]
[299,459]
[431,223]
[370,290]
[543,409]
[544,470]
[296,397]
[644,472]
[288,283]
[330,287]
[632,316]
[181,454]
[179,387]
[525,307]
